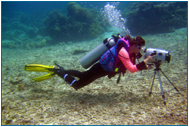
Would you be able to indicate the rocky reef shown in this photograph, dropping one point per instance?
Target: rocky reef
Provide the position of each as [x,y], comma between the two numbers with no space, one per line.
[155,17]
[77,25]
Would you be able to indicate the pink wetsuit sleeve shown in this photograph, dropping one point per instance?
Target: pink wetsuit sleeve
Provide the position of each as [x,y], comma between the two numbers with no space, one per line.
[126,60]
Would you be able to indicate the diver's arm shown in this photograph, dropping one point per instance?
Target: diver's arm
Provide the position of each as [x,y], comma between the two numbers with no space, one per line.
[125,59]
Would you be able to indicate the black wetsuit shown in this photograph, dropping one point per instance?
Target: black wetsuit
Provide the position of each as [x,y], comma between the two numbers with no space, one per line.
[95,72]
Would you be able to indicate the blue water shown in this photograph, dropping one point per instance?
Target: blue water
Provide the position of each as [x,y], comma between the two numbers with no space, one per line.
[8,8]
[45,6]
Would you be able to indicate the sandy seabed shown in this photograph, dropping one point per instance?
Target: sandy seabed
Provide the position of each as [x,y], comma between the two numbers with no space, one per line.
[103,102]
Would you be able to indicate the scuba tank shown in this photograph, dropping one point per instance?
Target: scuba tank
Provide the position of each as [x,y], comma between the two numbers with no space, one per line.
[94,55]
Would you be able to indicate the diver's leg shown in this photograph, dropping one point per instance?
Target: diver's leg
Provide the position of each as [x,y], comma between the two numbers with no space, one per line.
[74,73]
[89,76]
[68,78]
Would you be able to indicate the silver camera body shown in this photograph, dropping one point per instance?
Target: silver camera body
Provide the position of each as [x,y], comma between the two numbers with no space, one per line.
[162,56]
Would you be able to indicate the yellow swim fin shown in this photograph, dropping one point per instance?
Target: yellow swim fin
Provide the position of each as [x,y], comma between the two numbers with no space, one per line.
[44,77]
[40,68]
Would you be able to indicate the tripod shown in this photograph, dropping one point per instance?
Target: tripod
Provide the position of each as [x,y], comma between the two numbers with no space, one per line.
[157,70]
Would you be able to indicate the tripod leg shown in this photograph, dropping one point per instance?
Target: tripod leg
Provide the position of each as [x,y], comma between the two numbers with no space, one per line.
[160,84]
[150,93]
[171,83]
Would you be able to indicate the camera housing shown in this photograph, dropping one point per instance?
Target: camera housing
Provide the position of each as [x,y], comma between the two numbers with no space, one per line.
[162,56]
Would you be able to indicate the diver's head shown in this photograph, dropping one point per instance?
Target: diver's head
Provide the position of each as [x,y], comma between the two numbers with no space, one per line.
[136,44]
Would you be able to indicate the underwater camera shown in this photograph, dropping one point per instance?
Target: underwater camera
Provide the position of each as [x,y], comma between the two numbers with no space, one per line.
[162,56]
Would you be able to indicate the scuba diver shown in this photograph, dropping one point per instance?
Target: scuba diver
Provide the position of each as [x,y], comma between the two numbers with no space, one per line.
[116,60]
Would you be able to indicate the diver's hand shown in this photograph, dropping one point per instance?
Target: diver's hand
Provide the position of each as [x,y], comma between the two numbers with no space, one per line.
[149,59]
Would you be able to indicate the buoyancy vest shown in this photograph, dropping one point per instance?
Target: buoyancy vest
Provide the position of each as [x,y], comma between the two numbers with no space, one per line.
[110,61]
